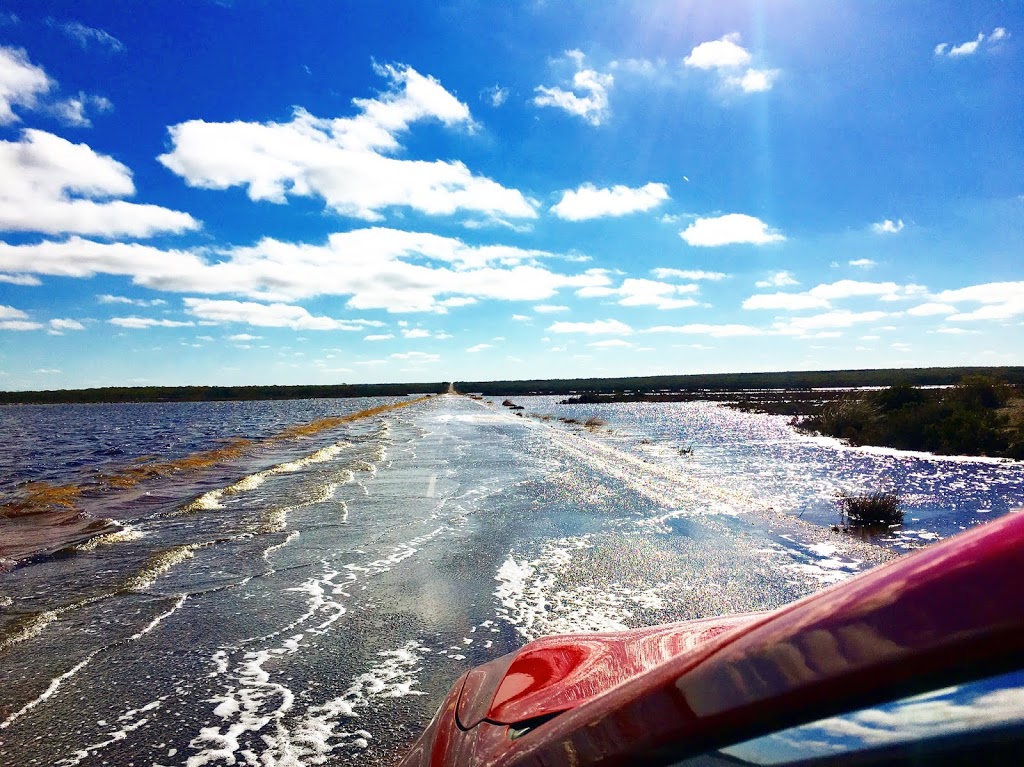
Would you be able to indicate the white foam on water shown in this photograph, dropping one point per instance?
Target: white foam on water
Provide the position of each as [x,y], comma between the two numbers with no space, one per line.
[533,601]
[213,499]
[128,726]
[124,535]
[160,563]
[57,682]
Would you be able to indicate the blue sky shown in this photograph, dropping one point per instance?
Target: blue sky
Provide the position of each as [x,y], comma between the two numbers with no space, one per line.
[315,192]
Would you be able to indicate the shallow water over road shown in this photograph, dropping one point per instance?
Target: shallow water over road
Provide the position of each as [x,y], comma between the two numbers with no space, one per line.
[316,610]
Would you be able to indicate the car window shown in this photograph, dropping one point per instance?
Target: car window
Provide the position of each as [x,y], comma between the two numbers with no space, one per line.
[986,715]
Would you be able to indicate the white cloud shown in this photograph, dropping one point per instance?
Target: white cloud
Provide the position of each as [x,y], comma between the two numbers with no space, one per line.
[723,53]
[840,318]
[852,288]
[10,313]
[21,83]
[592,106]
[754,80]
[72,111]
[821,296]
[19,325]
[20,279]
[611,343]
[970,47]
[688,274]
[862,263]
[590,202]
[64,324]
[376,268]
[520,318]
[268,315]
[787,301]
[415,333]
[345,160]
[495,95]
[730,229]
[715,331]
[550,308]
[931,309]
[379,337]
[777,280]
[887,226]
[597,327]
[244,337]
[1000,301]
[108,299]
[639,292]
[479,348]
[49,185]
[422,357]
[89,36]
[138,323]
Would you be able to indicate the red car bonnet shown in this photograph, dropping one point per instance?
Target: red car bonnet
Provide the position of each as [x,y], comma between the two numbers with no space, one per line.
[556,673]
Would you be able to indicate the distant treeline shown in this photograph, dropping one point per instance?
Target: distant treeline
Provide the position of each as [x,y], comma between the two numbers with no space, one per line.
[736,381]
[217,393]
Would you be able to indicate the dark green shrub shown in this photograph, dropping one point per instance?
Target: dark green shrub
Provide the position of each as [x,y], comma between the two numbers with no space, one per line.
[870,510]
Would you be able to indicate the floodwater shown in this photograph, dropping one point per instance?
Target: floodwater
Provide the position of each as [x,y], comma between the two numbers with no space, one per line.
[310,601]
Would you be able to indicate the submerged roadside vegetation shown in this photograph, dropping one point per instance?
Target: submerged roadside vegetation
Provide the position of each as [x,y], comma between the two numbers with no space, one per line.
[978,416]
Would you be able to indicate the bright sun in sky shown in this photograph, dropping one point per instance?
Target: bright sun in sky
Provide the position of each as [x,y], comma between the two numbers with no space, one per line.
[200,192]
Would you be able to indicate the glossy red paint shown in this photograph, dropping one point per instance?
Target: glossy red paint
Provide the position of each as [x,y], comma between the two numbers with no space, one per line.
[943,614]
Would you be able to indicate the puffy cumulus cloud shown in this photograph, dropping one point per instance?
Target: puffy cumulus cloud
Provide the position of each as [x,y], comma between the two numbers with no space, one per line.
[549,309]
[66,324]
[88,37]
[888,226]
[379,337]
[268,315]
[999,301]
[862,263]
[730,229]
[597,327]
[724,53]
[50,185]
[853,288]
[639,292]
[21,83]
[346,161]
[415,333]
[590,202]
[971,47]
[777,280]
[714,331]
[376,268]
[754,80]
[688,274]
[727,57]
[588,98]
[140,323]
[243,338]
